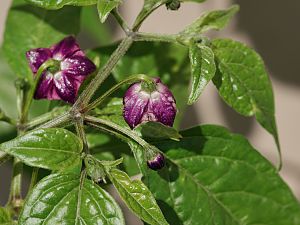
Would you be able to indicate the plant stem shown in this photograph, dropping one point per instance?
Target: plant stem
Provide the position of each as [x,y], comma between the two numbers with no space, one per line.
[97,121]
[81,134]
[129,80]
[156,37]
[87,94]
[59,121]
[34,176]
[121,21]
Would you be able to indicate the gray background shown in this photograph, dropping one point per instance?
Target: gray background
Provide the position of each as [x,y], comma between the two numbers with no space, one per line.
[272,28]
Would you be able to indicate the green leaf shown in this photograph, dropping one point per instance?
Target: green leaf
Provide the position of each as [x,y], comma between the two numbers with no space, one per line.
[57,4]
[155,130]
[243,83]
[203,69]
[198,1]
[67,199]
[105,7]
[219,177]
[164,60]
[5,217]
[137,197]
[211,20]
[50,148]
[39,28]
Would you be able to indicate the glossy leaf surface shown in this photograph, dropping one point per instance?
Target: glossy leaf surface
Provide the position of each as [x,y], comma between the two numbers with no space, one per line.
[243,82]
[211,20]
[61,199]
[105,7]
[51,148]
[39,28]
[57,4]
[137,197]
[203,69]
[215,177]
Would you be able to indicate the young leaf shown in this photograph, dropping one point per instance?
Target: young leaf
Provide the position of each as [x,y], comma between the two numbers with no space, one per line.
[105,7]
[215,177]
[203,69]
[210,20]
[57,4]
[69,199]
[37,28]
[51,148]
[243,83]
[155,130]
[137,197]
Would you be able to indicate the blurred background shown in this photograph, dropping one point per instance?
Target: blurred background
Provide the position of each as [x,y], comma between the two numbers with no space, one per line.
[270,27]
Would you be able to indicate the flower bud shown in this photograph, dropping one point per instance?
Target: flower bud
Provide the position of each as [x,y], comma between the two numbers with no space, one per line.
[154,103]
[157,162]
[173,5]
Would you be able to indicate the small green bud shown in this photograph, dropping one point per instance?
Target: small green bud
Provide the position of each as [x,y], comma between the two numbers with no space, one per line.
[173,5]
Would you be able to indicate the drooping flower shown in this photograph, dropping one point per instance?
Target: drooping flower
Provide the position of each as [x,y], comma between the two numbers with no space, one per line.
[142,105]
[61,81]
[157,162]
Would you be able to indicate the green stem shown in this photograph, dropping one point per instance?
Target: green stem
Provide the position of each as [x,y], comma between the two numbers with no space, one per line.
[15,199]
[156,37]
[61,120]
[34,176]
[129,80]
[97,121]
[31,92]
[104,72]
[121,21]
[81,133]
[45,117]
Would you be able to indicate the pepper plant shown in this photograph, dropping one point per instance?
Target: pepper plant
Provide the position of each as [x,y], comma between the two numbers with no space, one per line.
[113,119]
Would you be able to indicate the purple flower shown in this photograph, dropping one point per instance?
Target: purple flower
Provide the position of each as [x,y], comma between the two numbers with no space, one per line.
[157,162]
[63,80]
[141,105]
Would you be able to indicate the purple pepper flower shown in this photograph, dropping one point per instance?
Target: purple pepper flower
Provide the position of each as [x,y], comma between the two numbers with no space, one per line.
[142,106]
[72,68]
[157,162]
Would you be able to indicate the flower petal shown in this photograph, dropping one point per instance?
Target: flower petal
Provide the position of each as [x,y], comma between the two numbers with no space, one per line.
[45,88]
[135,104]
[78,65]
[65,48]
[65,87]
[36,57]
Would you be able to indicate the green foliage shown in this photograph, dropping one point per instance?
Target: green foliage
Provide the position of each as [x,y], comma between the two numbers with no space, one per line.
[203,69]
[5,217]
[137,197]
[57,4]
[168,61]
[155,130]
[217,176]
[210,20]
[28,27]
[69,199]
[243,83]
[105,7]
[52,148]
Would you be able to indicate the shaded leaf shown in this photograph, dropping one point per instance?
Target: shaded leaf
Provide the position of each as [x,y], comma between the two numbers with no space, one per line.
[243,83]
[105,7]
[203,69]
[39,28]
[137,197]
[57,4]
[5,217]
[219,177]
[155,130]
[62,199]
[50,148]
